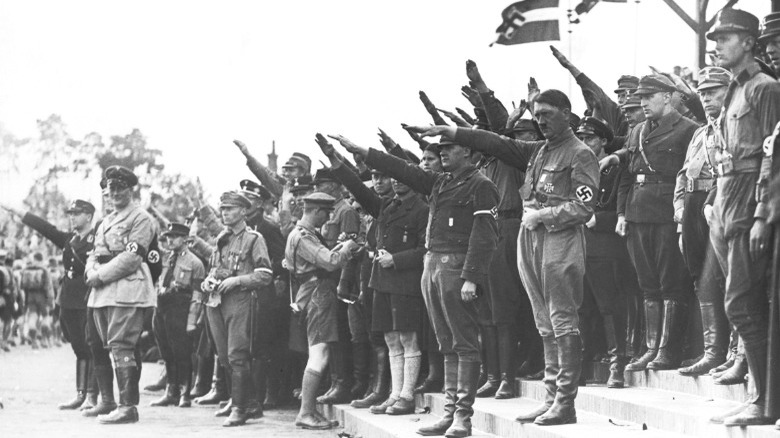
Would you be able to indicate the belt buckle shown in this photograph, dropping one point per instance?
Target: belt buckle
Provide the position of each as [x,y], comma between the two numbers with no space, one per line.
[640,178]
[689,185]
[70,275]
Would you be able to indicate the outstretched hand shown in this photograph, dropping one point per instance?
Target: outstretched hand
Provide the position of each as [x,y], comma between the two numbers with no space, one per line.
[388,143]
[429,106]
[455,118]
[533,91]
[560,57]
[241,146]
[427,131]
[327,149]
[349,145]
[472,95]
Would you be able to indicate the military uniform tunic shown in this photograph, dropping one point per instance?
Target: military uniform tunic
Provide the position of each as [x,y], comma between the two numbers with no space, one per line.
[656,152]
[560,183]
[73,295]
[461,237]
[121,242]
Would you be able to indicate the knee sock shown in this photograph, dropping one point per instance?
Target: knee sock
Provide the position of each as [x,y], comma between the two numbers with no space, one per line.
[309,387]
[411,371]
[396,375]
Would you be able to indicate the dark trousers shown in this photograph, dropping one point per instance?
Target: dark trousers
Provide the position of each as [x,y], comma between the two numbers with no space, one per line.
[454,321]
[504,295]
[607,285]
[708,278]
[170,330]
[659,265]
[100,355]
[74,328]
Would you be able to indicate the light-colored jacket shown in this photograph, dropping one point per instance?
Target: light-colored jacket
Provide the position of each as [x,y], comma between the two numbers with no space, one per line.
[124,237]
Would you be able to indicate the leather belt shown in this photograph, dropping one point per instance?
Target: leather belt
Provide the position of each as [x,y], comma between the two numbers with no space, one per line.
[745,165]
[649,178]
[509,214]
[103,259]
[699,185]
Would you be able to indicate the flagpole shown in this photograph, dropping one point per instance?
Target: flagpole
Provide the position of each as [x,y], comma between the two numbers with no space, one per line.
[568,18]
[636,33]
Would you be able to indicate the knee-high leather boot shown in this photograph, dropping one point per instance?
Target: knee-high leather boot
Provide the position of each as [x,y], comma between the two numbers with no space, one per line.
[570,361]
[82,375]
[105,380]
[381,381]
[490,361]
[716,338]
[754,414]
[468,374]
[672,335]
[219,390]
[551,370]
[507,352]
[653,320]
[126,412]
[450,396]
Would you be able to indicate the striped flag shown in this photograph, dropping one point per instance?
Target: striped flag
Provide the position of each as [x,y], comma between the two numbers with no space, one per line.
[529,21]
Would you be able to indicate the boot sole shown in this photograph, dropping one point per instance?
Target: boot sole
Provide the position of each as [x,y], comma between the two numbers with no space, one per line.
[311,427]
[432,433]
[557,423]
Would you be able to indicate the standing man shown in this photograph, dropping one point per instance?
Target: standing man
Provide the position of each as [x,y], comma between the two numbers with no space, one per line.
[75,246]
[238,268]
[314,271]
[656,151]
[738,228]
[695,181]
[122,287]
[770,38]
[179,303]
[609,276]
[344,222]
[461,237]
[36,283]
[560,183]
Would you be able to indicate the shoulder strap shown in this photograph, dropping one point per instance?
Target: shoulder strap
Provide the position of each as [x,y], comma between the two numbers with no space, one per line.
[642,149]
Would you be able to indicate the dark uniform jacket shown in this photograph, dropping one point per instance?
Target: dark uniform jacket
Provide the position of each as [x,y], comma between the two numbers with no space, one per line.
[647,188]
[273,240]
[399,229]
[75,251]
[462,216]
[601,240]
[561,179]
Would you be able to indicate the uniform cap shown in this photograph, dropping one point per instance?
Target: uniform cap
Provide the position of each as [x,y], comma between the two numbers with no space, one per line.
[593,126]
[120,176]
[433,147]
[652,84]
[770,27]
[734,20]
[324,175]
[234,199]
[80,206]
[319,199]
[176,229]
[627,83]
[253,189]
[713,77]
[296,162]
[446,143]
[631,102]
[574,121]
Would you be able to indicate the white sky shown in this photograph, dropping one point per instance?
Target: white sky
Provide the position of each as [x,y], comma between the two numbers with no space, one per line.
[193,75]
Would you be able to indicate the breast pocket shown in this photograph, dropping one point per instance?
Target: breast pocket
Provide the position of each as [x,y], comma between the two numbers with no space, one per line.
[554,180]
[183,276]
[116,238]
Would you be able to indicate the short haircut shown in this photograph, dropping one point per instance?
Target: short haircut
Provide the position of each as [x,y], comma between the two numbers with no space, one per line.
[555,98]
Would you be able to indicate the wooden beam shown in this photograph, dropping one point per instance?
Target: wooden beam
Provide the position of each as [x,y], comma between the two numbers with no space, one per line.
[683,15]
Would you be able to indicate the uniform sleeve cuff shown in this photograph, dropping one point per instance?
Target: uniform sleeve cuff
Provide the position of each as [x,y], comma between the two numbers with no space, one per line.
[474,277]
[547,218]
[762,212]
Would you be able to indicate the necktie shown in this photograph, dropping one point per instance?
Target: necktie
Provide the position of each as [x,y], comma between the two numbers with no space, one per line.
[169,273]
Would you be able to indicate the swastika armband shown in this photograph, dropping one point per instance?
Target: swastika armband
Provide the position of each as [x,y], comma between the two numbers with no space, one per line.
[492,212]
[153,257]
[584,193]
[136,248]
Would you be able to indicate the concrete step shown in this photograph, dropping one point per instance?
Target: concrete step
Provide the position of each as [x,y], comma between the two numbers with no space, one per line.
[702,386]
[360,423]
[498,417]
[662,410]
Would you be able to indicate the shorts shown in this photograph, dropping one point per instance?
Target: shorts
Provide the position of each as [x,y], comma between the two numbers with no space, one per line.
[38,302]
[321,313]
[396,312]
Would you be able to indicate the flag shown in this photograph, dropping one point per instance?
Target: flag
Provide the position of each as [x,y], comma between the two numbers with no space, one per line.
[529,21]
[587,5]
